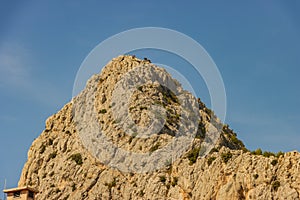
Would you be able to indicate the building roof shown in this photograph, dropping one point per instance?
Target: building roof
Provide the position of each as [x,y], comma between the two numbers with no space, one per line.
[19,189]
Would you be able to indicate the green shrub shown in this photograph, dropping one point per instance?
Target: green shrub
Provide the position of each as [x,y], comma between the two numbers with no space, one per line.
[268,154]
[255,176]
[226,156]
[162,179]
[52,155]
[103,111]
[245,150]
[257,152]
[77,158]
[211,160]
[275,185]
[280,153]
[141,193]
[209,112]
[193,155]
[236,141]
[157,102]
[226,129]
[201,130]
[168,95]
[274,162]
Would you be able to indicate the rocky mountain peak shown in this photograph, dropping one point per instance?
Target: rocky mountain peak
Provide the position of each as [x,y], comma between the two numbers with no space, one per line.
[135,133]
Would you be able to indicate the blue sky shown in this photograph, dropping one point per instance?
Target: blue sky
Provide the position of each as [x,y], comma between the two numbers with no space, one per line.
[255,45]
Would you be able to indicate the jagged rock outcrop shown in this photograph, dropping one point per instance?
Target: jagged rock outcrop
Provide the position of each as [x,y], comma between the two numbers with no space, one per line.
[65,162]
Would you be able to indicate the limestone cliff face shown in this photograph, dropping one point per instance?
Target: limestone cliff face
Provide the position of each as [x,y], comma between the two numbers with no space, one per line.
[65,162]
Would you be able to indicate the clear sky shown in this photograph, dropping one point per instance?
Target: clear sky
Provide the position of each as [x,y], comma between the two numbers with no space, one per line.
[255,45]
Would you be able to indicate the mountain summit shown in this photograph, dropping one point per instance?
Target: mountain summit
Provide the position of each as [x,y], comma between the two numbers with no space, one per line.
[135,133]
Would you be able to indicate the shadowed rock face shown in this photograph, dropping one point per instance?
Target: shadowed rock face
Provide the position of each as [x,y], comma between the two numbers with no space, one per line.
[70,161]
